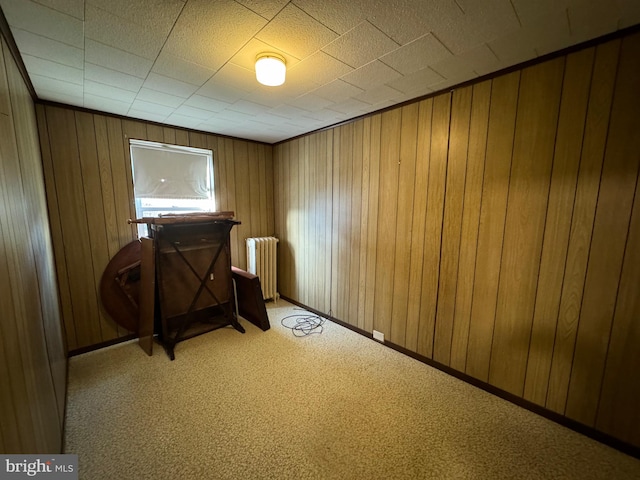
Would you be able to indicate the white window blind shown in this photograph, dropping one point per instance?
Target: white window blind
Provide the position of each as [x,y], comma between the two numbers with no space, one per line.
[167,171]
[170,179]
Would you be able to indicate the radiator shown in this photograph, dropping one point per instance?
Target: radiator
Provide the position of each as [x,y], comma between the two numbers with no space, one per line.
[262,261]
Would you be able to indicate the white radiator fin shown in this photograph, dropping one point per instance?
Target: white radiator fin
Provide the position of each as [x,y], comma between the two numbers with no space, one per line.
[262,261]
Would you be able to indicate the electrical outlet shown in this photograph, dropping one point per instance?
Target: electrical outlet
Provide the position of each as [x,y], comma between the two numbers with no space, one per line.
[379,336]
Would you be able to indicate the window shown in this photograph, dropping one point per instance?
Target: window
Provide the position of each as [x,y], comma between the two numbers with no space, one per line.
[170,179]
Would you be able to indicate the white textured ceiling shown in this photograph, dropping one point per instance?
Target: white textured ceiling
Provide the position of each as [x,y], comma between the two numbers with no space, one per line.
[190,63]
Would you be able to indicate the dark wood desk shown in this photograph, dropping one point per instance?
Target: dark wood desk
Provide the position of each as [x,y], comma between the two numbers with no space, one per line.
[193,277]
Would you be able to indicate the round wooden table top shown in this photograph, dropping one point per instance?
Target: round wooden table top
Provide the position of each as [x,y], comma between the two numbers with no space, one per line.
[120,286]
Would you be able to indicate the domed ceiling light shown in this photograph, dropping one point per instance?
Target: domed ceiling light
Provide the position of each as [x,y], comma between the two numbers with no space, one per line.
[270,69]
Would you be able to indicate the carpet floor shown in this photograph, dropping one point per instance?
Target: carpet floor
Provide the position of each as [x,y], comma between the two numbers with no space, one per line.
[335,405]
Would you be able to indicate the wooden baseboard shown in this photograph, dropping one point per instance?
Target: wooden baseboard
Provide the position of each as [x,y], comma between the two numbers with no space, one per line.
[97,346]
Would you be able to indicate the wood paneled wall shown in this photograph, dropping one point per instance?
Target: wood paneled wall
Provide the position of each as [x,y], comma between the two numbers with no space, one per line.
[90,197]
[494,229]
[32,353]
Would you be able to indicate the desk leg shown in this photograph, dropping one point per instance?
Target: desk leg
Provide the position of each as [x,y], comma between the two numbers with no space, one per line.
[169,349]
[236,324]
[147,295]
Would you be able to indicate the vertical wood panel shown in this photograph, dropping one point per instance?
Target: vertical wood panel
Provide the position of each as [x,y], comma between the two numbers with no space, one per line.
[343,162]
[478,126]
[130,130]
[324,221]
[169,135]
[298,217]
[364,222]
[230,188]
[356,214]
[10,429]
[243,198]
[126,149]
[68,178]
[303,223]
[502,113]
[419,207]
[5,107]
[37,225]
[618,412]
[342,171]
[293,215]
[404,218]
[19,231]
[610,231]
[146,299]
[120,176]
[573,110]
[290,187]
[524,228]
[593,145]
[219,174]
[44,321]
[284,273]
[19,426]
[452,223]
[335,219]
[286,193]
[182,137]
[301,218]
[95,213]
[197,140]
[373,166]
[327,149]
[372,229]
[387,216]
[155,133]
[423,150]
[279,230]
[12,297]
[261,198]
[55,224]
[301,257]
[294,189]
[33,368]
[306,219]
[311,218]
[110,216]
[434,216]
[26,138]
[269,208]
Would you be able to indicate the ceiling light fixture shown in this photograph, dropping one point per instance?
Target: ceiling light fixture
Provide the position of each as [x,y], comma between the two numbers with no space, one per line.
[270,69]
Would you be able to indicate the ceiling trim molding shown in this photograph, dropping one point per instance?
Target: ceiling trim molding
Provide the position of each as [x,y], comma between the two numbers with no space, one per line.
[534,61]
[5,31]
[150,122]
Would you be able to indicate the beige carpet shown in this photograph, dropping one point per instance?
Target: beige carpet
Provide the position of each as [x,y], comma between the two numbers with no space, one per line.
[268,405]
